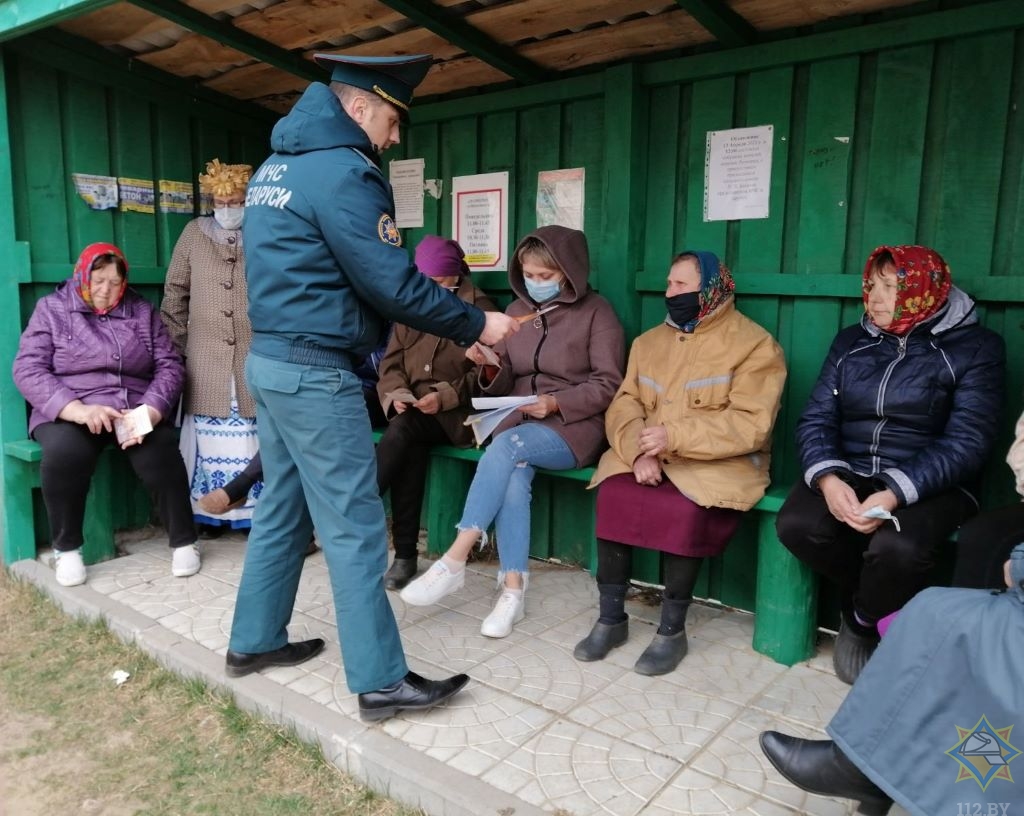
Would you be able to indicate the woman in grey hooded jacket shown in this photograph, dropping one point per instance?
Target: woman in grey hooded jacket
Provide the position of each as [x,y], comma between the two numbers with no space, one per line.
[571,357]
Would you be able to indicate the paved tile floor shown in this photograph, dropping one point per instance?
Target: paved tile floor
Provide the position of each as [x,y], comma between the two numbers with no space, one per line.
[535,731]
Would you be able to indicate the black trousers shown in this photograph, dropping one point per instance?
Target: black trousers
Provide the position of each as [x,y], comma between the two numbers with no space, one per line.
[615,561]
[70,453]
[403,455]
[878,573]
[984,545]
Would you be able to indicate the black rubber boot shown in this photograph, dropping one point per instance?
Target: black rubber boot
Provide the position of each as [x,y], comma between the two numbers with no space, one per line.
[611,629]
[818,766]
[669,645]
[401,572]
[854,646]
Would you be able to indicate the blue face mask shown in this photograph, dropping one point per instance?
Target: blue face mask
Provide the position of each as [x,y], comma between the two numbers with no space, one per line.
[541,291]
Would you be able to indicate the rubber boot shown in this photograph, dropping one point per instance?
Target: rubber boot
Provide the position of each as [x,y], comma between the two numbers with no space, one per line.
[669,645]
[400,573]
[611,629]
[854,646]
[818,766]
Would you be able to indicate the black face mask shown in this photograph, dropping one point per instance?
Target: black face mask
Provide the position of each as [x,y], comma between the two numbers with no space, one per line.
[683,308]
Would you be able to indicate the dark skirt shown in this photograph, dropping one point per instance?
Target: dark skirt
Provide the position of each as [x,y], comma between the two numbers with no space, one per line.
[661,518]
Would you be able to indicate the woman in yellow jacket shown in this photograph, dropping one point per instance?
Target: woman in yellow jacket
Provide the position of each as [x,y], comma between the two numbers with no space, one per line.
[690,433]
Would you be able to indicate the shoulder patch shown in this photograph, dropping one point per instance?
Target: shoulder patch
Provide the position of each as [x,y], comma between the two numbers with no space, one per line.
[388,232]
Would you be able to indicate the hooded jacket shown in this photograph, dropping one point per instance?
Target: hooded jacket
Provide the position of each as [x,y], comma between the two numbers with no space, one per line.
[918,412]
[416,364]
[324,261]
[575,352]
[124,358]
[717,392]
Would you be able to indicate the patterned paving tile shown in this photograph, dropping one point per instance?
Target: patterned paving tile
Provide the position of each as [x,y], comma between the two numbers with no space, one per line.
[692,792]
[803,695]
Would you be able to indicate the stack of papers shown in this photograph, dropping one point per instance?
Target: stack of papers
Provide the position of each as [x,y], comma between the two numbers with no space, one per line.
[134,423]
[493,411]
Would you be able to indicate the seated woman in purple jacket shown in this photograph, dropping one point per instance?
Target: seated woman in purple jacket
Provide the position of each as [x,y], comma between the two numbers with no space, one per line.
[92,351]
[570,354]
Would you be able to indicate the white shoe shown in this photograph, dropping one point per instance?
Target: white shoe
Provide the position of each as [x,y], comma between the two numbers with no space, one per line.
[508,611]
[70,567]
[433,585]
[185,561]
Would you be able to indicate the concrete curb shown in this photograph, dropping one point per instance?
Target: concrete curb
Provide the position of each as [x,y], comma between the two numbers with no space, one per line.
[367,753]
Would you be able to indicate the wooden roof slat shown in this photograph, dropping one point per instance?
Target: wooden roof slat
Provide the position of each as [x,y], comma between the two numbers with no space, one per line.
[123,21]
[254,81]
[195,56]
[770,15]
[722,22]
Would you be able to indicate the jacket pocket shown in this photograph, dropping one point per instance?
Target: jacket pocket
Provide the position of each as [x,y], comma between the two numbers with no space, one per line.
[710,393]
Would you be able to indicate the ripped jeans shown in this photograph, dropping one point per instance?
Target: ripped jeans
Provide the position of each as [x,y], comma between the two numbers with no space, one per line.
[501,488]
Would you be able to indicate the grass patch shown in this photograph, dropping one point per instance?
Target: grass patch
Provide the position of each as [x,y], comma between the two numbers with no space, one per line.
[73,742]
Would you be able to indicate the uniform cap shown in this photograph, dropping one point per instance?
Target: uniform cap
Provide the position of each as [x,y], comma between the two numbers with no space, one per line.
[392,78]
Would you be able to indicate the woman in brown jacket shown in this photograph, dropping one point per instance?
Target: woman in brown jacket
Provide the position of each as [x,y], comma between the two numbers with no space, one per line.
[204,309]
[570,355]
[425,387]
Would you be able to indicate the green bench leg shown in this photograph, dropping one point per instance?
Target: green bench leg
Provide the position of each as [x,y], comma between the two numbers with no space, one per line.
[98,528]
[18,523]
[787,600]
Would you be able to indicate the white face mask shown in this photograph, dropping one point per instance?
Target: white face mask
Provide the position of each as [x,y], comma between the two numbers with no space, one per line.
[229,218]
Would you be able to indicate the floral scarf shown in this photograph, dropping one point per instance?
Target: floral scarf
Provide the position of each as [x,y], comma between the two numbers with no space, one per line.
[82,275]
[923,282]
[716,286]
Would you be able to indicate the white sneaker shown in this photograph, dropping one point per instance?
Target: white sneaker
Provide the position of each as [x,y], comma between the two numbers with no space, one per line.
[70,567]
[185,561]
[508,611]
[433,585]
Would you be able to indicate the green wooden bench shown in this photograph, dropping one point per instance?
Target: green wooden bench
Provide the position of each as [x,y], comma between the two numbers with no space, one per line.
[22,469]
[786,599]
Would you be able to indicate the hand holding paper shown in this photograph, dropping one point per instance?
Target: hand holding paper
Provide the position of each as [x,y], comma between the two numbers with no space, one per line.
[494,410]
[131,426]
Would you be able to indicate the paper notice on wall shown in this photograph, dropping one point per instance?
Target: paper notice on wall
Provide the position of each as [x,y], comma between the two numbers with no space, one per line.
[99,192]
[406,177]
[737,173]
[480,219]
[560,197]
[136,195]
[176,197]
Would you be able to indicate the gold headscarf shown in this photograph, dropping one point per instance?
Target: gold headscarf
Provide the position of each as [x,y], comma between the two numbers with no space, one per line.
[224,179]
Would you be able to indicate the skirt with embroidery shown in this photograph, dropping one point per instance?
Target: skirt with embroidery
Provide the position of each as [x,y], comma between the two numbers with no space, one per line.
[216,450]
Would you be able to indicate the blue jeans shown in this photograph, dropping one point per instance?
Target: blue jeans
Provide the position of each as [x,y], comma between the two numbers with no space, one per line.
[501,488]
[319,470]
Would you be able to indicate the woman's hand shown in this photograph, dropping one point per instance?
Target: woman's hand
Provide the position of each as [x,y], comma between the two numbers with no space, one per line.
[647,470]
[400,406]
[841,499]
[97,418]
[545,405]
[429,404]
[885,499]
[654,440]
[154,419]
[476,354]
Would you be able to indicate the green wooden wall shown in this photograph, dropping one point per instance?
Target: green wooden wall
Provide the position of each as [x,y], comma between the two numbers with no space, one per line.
[907,130]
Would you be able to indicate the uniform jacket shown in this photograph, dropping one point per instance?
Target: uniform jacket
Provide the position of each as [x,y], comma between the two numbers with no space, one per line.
[204,308]
[416,364]
[123,359]
[918,412]
[324,260]
[717,392]
[575,352]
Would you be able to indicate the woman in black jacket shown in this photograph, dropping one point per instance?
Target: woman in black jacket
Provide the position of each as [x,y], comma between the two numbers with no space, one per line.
[898,425]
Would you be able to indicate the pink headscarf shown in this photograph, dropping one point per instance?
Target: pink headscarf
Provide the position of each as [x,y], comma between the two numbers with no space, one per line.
[922,284]
[83,273]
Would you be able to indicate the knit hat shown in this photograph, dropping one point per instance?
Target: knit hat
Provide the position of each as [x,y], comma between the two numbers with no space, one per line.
[439,257]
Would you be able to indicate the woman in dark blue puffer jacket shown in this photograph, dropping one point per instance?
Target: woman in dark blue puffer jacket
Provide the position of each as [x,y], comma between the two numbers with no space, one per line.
[897,427]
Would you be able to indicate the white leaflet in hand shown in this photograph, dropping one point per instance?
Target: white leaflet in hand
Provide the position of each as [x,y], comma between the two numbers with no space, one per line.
[490,403]
[134,423]
[878,512]
[484,422]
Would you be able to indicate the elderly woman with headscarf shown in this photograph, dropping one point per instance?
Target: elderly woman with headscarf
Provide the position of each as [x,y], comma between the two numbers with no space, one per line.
[205,308]
[425,387]
[93,351]
[899,424]
[690,432]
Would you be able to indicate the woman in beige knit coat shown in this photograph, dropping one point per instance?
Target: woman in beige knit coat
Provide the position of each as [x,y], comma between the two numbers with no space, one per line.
[205,310]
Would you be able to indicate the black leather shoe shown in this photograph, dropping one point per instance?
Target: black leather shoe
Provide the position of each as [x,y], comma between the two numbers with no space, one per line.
[239,664]
[852,652]
[818,766]
[412,692]
[663,655]
[401,572]
[602,639]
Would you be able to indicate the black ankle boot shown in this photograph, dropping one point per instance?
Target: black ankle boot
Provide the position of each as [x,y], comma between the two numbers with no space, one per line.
[400,573]
[853,650]
[611,629]
[818,766]
[669,645]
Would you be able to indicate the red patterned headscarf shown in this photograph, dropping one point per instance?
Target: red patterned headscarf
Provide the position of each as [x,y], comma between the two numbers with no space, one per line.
[923,282]
[83,273]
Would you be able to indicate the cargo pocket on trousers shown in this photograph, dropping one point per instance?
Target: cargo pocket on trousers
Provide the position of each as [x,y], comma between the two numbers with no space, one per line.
[280,381]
